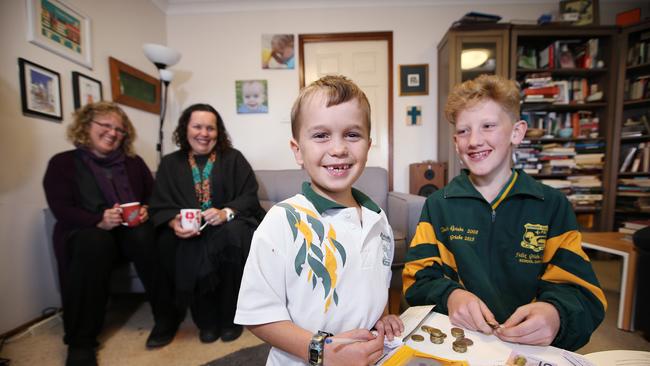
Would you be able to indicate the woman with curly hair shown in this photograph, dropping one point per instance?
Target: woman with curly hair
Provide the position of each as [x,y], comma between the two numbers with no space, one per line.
[84,188]
[207,173]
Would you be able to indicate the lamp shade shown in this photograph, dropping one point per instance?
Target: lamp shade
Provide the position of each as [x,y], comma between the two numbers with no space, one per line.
[166,75]
[161,56]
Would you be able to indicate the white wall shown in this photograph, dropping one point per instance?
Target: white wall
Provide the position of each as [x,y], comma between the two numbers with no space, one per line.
[119,28]
[219,48]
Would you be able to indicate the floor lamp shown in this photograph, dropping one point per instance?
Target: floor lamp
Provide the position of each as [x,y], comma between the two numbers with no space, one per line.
[162,57]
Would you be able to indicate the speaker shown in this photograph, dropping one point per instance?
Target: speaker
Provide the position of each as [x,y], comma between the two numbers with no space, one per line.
[427,177]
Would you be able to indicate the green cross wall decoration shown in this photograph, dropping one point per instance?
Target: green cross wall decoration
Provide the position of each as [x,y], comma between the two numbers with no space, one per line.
[413,115]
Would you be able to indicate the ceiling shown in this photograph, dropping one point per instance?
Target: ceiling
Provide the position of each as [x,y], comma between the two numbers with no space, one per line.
[218,6]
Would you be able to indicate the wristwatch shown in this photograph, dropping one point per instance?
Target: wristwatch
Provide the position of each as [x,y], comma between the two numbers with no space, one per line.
[316,347]
[229,214]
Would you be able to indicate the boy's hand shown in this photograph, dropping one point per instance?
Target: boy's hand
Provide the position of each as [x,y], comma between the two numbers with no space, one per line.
[468,311]
[362,353]
[390,325]
[536,323]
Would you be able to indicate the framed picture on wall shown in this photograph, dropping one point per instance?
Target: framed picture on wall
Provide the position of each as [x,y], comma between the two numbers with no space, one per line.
[40,90]
[60,28]
[251,96]
[414,79]
[132,87]
[278,51]
[85,89]
[580,12]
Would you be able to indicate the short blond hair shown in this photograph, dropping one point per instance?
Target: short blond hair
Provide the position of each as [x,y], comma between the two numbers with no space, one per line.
[337,89]
[503,91]
[78,131]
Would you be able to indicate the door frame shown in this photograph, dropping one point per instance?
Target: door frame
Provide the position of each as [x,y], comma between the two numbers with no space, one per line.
[353,37]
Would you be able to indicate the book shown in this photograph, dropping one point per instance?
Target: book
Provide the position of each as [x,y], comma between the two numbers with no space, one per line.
[627,160]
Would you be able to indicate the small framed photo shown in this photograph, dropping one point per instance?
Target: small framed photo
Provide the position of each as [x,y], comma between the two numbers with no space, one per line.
[278,51]
[414,79]
[86,90]
[60,28]
[132,87]
[251,96]
[40,90]
[579,12]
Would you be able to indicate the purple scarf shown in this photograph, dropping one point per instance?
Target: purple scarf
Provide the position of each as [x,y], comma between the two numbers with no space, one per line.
[115,190]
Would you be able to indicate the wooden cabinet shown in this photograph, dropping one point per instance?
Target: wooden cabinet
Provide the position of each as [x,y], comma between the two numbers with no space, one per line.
[631,136]
[576,118]
[484,49]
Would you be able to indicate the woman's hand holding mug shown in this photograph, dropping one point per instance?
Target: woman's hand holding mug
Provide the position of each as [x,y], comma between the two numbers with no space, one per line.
[111,218]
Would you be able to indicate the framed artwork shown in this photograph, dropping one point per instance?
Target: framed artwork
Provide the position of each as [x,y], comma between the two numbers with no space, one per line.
[278,51]
[85,89]
[132,87]
[251,96]
[60,28]
[40,90]
[414,79]
[580,12]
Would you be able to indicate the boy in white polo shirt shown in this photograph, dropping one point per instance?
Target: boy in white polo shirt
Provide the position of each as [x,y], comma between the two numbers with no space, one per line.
[320,262]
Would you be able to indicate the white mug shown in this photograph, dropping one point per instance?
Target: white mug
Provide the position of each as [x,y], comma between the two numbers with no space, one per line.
[191,218]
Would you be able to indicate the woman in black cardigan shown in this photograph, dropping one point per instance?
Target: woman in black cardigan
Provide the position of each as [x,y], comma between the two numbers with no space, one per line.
[206,265]
[84,188]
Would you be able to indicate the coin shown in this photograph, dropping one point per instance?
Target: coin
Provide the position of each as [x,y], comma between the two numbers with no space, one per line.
[468,342]
[437,340]
[459,347]
[437,333]
[417,337]
[457,332]
[427,328]
[494,325]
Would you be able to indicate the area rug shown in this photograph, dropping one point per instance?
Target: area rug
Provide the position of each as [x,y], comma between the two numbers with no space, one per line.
[251,356]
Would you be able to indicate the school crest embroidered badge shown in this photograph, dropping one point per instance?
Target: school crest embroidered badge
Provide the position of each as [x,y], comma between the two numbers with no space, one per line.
[534,237]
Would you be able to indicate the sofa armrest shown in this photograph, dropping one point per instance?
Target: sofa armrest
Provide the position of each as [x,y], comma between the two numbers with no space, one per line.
[404,212]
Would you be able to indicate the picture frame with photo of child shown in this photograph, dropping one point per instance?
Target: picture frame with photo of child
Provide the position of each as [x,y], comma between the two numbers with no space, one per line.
[278,51]
[251,96]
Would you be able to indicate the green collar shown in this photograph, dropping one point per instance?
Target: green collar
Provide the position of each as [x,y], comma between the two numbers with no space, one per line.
[525,184]
[323,204]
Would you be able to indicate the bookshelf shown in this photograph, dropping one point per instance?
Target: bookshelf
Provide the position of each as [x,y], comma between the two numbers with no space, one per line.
[631,136]
[567,92]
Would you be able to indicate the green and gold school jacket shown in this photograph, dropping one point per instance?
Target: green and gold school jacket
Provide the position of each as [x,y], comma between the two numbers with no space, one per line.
[522,247]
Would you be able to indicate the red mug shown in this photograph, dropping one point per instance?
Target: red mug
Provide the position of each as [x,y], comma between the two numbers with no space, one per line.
[130,214]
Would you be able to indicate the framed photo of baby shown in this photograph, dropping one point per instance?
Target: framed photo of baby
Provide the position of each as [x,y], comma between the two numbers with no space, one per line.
[251,96]
[278,51]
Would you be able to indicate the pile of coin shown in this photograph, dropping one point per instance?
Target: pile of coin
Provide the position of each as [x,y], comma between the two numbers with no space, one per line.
[461,343]
[437,336]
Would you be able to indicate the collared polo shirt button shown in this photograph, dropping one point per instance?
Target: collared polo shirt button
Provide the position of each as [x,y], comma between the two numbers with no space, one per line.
[347,215]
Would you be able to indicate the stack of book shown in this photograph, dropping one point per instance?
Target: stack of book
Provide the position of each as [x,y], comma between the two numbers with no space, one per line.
[639,52]
[557,159]
[637,88]
[586,192]
[631,227]
[527,157]
[542,88]
[589,162]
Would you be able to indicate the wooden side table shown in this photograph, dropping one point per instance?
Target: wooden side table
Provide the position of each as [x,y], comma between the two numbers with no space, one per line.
[614,243]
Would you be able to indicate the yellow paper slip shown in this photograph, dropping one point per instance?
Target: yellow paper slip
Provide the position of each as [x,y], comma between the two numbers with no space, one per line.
[406,355]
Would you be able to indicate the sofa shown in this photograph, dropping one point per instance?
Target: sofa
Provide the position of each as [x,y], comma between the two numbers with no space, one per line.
[403,211]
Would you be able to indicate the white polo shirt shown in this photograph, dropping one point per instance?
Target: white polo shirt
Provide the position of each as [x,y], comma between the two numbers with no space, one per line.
[314,263]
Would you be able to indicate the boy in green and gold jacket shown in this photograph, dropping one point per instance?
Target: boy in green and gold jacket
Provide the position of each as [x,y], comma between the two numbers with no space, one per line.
[495,246]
